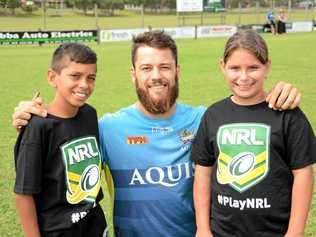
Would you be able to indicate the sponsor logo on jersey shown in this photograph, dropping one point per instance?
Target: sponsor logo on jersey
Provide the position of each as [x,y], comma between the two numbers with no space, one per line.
[82,165]
[136,140]
[162,130]
[244,154]
[168,176]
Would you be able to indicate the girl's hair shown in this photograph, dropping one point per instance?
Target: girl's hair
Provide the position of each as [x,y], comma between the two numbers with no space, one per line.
[249,40]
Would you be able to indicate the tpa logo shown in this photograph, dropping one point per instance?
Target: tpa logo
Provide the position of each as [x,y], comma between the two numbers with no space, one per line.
[82,164]
[136,140]
[244,154]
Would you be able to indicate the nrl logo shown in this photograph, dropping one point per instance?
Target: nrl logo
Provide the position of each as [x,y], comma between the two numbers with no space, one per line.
[82,163]
[186,136]
[243,160]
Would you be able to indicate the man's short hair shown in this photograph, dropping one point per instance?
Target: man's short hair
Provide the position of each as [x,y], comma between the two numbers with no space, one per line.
[155,39]
[72,52]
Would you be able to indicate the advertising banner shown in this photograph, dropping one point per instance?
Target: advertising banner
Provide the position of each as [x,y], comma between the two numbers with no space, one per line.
[215,31]
[119,35]
[189,5]
[41,37]
[180,32]
[299,26]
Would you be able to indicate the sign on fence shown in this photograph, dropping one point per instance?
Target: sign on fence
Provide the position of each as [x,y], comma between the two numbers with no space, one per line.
[40,37]
[299,26]
[216,31]
[188,32]
[119,35]
[180,32]
[189,5]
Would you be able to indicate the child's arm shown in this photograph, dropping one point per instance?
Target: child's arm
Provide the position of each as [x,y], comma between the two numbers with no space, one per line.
[28,217]
[301,199]
[202,200]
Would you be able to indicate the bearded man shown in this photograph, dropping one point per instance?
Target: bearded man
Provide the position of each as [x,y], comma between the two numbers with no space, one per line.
[147,145]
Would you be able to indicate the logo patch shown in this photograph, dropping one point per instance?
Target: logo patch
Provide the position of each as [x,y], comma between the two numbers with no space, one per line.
[136,140]
[243,160]
[186,136]
[82,163]
[163,130]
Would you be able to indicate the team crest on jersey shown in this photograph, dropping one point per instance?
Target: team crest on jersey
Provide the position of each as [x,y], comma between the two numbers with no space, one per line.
[186,136]
[82,164]
[243,159]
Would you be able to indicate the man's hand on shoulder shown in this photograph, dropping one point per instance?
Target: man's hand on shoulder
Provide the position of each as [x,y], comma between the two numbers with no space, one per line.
[24,110]
[283,96]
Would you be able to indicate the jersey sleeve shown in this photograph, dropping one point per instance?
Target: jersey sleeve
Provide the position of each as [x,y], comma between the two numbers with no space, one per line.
[104,156]
[28,161]
[300,141]
[202,152]
[102,140]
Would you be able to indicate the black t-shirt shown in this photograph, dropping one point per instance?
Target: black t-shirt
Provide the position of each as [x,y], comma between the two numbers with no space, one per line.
[252,151]
[58,162]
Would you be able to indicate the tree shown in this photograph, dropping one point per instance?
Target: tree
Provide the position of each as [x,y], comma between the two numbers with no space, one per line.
[84,5]
[12,4]
[109,6]
[3,3]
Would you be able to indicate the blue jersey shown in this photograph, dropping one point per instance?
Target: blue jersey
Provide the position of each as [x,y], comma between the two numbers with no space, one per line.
[270,16]
[153,176]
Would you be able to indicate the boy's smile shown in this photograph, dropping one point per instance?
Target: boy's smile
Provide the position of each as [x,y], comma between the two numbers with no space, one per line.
[74,85]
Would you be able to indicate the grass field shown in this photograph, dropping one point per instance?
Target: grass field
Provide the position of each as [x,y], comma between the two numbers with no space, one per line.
[23,70]
[126,19]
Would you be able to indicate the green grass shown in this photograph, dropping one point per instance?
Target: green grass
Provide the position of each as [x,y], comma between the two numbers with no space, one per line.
[125,19]
[23,70]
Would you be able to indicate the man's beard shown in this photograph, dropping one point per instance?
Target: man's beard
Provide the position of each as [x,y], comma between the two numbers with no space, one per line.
[162,105]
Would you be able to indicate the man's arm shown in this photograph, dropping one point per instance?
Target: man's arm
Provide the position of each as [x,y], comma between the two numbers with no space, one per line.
[202,200]
[282,96]
[28,217]
[301,199]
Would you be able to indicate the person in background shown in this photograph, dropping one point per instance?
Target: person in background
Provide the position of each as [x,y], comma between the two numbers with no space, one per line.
[271,21]
[281,22]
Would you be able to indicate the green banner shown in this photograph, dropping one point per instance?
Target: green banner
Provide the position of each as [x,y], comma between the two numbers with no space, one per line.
[41,37]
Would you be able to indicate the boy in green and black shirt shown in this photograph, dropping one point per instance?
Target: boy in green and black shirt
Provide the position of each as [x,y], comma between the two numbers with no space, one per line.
[57,158]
